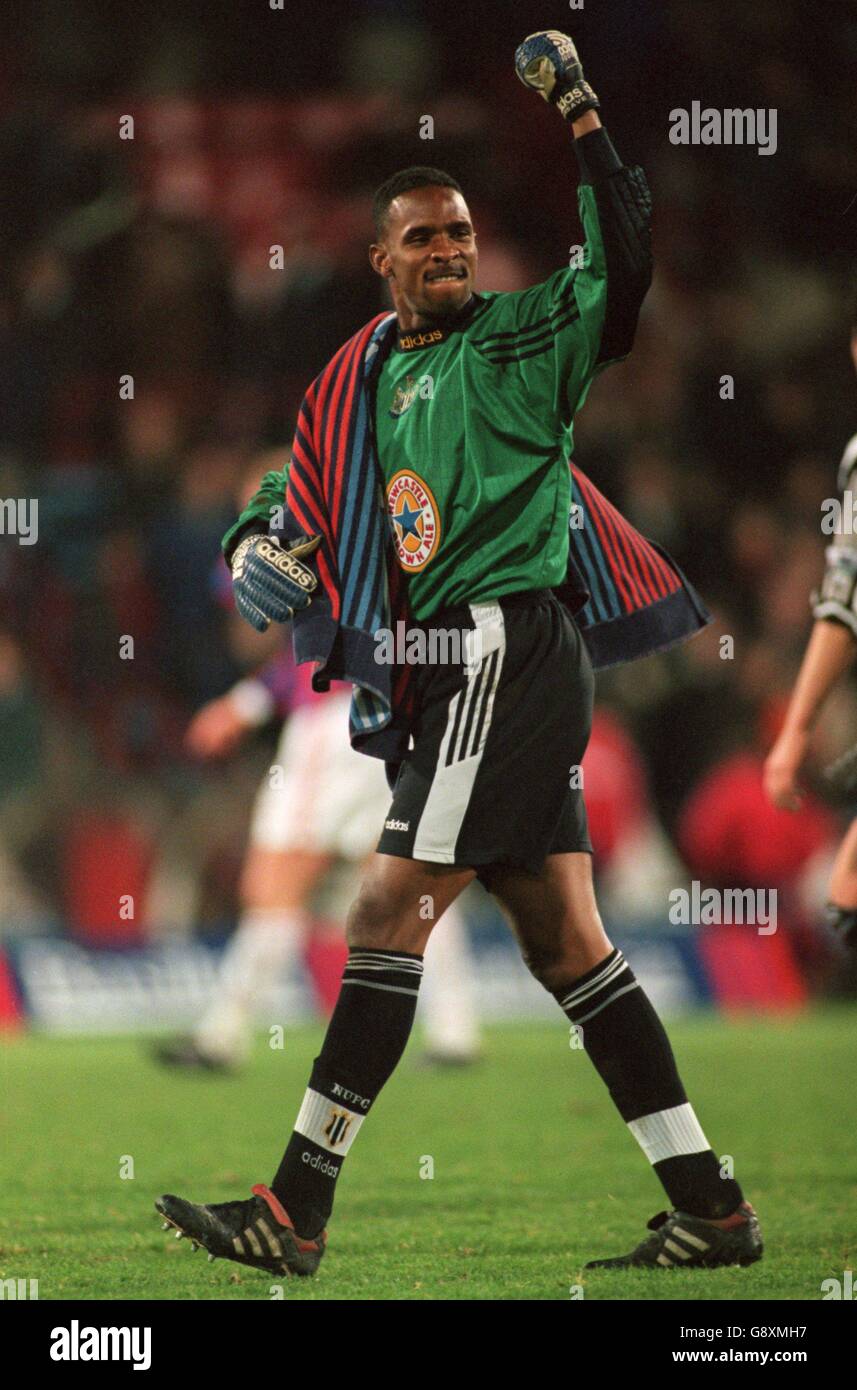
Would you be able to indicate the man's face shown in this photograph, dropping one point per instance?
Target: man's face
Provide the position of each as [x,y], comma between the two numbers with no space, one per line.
[428,253]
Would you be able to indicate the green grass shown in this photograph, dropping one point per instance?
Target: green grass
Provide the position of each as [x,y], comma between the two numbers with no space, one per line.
[533,1172]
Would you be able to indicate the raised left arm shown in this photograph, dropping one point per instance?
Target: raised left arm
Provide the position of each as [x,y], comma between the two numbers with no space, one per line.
[549,64]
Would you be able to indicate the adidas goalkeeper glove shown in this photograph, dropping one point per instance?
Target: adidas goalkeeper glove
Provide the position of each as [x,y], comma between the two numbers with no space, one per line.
[548,63]
[269,581]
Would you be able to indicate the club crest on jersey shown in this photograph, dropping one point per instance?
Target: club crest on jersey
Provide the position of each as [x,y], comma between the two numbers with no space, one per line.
[405,396]
[414,519]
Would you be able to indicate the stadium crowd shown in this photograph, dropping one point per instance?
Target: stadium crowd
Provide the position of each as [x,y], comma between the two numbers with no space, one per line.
[150,258]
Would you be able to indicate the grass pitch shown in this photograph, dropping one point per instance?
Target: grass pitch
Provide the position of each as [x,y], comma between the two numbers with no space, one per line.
[533,1171]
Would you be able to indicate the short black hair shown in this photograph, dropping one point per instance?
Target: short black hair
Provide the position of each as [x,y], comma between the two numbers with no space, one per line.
[418,176]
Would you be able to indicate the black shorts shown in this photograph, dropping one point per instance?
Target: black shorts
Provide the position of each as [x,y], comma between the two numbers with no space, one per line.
[494,774]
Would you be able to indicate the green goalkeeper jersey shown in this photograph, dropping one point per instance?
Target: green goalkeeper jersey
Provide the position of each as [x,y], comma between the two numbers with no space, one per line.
[473,418]
[473,427]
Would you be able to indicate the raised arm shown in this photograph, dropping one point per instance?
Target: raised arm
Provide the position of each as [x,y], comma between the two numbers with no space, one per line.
[615,201]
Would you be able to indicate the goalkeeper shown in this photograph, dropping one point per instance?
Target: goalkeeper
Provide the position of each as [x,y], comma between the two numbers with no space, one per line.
[461,408]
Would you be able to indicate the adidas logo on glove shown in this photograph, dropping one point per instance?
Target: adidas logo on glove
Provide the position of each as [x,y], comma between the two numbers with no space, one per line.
[285,562]
[269,580]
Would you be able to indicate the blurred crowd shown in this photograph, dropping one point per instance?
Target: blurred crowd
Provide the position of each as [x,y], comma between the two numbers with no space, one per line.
[149,258]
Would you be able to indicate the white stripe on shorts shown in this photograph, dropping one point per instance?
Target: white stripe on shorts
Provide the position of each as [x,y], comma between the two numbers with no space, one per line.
[452,787]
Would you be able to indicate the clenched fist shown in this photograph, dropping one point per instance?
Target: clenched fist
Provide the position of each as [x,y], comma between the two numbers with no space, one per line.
[548,63]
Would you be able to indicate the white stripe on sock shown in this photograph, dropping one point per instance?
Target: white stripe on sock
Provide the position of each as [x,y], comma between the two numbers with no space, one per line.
[605,974]
[327,1123]
[394,962]
[669,1133]
[409,968]
[376,984]
[617,993]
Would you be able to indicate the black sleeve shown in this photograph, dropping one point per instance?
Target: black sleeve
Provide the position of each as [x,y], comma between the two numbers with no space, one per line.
[624,214]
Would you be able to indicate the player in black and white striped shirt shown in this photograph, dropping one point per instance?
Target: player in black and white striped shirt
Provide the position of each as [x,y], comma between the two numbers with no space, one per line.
[831,651]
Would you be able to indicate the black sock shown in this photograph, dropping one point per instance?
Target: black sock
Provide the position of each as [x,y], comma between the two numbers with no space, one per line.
[631,1052]
[365,1038]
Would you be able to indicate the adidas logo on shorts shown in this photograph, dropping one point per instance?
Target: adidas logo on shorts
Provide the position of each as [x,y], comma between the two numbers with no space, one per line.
[397,825]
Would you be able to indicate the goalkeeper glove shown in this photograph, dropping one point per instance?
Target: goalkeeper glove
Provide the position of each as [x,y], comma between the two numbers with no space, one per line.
[548,63]
[269,582]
